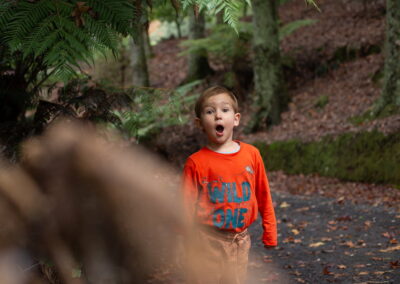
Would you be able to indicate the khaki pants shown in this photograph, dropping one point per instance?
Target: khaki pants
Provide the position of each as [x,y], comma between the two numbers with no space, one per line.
[219,257]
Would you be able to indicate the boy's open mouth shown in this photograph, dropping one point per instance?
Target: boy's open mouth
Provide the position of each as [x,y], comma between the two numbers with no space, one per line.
[219,129]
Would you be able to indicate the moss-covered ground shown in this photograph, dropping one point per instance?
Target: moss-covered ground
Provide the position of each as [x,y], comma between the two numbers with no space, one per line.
[363,157]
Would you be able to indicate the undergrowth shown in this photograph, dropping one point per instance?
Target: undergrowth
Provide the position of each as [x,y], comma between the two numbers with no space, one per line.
[368,157]
[367,116]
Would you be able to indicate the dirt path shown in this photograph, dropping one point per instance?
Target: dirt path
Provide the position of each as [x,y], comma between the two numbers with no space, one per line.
[323,240]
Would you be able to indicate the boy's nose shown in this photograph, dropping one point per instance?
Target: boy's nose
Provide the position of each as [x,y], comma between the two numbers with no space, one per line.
[218,114]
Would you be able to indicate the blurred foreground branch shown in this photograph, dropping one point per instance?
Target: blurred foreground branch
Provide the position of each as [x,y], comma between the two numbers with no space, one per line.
[90,210]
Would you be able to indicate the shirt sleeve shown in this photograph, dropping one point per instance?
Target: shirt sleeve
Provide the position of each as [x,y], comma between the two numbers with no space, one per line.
[265,205]
[189,189]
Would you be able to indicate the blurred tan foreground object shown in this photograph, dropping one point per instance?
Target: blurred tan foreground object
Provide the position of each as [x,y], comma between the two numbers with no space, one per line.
[98,212]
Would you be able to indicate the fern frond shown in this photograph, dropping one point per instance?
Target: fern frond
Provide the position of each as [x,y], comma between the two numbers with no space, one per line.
[289,28]
[312,2]
[6,14]
[231,16]
[231,9]
[49,29]
[118,14]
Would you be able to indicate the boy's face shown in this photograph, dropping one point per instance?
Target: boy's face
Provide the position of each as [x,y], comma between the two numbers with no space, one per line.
[218,118]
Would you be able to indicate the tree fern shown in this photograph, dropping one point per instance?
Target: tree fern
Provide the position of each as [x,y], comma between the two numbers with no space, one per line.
[148,115]
[54,31]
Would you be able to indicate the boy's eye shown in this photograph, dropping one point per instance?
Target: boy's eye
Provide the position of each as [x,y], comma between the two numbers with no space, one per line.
[209,111]
[225,109]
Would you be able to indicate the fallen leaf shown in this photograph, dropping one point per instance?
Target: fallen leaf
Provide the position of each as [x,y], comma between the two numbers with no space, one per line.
[350,244]
[393,241]
[302,225]
[363,273]
[297,273]
[301,264]
[302,209]
[326,271]
[359,266]
[379,272]
[288,240]
[332,228]
[284,205]
[340,200]
[395,264]
[300,280]
[295,232]
[337,275]
[368,224]
[317,244]
[326,239]
[344,218]
[390,249]
[266,260]
[341,266]
[361,243]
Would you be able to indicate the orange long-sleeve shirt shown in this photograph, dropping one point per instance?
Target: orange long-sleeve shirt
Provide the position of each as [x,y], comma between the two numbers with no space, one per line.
[227,190]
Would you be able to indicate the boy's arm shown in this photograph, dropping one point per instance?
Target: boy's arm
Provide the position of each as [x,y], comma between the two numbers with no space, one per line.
[265,205]
[189,189]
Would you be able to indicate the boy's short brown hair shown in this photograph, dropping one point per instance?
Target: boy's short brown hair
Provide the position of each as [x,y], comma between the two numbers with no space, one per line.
[213,91]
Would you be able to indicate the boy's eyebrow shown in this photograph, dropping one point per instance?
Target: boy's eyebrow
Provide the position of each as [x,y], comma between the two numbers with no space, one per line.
[224,103]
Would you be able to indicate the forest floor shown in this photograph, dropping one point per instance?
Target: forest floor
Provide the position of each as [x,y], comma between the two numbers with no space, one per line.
[329,230]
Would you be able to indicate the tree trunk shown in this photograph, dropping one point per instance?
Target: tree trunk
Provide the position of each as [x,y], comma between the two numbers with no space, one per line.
[14,97]
[140,75]
[197,61]
[270,96]
[147,47]
[178,26]
[220,18]
[245,9]
[390,97]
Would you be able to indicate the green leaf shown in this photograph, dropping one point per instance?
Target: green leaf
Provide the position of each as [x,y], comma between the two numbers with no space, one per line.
[289,28]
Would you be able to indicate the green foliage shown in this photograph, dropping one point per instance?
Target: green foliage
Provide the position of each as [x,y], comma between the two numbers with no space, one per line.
[151,111]
[81,99]
[364,157]
[369,115]
[231,8]
[164,11]
[64,33]
[321,101]
[281,2]
[234,44]
[291,27]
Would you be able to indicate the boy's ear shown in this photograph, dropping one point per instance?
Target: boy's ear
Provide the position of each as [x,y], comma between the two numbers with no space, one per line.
[197,121]
[236,119]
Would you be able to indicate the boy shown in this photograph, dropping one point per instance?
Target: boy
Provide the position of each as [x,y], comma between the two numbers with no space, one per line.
[224,185]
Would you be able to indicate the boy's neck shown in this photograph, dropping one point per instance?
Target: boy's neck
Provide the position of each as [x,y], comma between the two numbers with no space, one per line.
[230,147]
